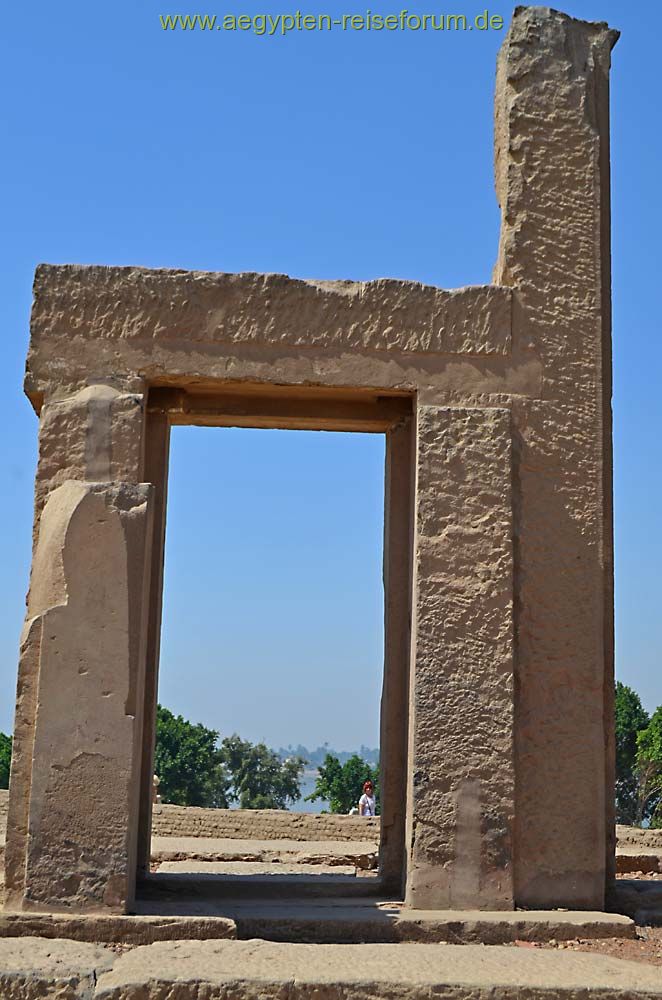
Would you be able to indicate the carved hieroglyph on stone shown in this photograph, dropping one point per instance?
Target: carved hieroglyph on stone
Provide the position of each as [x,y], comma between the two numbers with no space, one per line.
[496,745]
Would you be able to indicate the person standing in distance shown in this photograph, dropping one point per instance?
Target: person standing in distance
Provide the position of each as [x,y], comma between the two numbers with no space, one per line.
[367,803]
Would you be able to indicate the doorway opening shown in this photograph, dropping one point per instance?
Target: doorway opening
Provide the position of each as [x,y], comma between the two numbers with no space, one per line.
[276,688]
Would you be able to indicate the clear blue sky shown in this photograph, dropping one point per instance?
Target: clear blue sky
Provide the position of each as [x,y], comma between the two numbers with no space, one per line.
[328,155]
[273,602]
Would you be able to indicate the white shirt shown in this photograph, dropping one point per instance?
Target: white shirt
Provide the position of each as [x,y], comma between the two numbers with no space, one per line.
[368,803]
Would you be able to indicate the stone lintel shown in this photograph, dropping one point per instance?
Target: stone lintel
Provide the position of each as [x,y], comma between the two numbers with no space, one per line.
[135,323]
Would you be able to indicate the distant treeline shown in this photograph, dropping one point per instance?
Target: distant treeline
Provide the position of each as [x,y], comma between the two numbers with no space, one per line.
[315,758]
[196,767]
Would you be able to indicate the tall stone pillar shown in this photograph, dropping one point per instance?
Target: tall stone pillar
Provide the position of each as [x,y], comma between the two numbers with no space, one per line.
[398,502]
[72,825]
[552,175]
[157,452]
[462,780]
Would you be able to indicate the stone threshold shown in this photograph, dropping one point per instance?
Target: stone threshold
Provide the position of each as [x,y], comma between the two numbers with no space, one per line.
[331,922]
[257,970]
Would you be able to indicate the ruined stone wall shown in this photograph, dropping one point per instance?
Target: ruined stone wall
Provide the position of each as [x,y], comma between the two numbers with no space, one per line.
[259,824]
[635,836]
[246,824]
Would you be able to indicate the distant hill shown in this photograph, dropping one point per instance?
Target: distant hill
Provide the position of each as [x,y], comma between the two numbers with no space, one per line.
[316,757]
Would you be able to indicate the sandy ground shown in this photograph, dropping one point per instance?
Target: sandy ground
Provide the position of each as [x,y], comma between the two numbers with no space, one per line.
[647,947]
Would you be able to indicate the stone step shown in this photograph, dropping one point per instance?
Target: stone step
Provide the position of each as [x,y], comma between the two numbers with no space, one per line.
[165,885]
[114,928]
[356,920]
[358,854]
[348,922]
[256,970]
[254,868]
[334,922]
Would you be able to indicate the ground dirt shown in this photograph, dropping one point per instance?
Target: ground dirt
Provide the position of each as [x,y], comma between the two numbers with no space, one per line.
[646,947]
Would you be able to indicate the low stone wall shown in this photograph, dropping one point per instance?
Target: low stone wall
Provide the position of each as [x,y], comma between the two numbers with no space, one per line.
[272,824]
[247,824]
[260,824]
[636,837]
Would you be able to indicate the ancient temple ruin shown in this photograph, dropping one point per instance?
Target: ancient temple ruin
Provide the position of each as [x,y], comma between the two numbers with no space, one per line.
[495,401]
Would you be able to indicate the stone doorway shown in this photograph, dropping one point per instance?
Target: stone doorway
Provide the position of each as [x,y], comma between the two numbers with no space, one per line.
[269,408]
[496,403]
[268,533]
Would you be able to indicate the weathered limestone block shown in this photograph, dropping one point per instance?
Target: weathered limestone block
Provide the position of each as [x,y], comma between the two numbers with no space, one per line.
[93,307]
[75,774]
[462,768]
[93,435]
[186,328]
[32,968]
[268,970]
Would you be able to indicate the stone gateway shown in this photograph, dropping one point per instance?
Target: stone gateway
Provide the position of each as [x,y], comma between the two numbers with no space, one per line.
[497,720]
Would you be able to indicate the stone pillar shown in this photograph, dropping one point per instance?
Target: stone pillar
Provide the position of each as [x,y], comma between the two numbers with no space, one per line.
[157,452]
[462,780]
[72,823]
[398,504]
[552,175]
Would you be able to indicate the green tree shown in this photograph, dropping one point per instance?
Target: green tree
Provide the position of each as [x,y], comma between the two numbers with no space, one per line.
[260,779]
[5,760]
[630,719]
[188,762]
[342,784]
[649,772]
